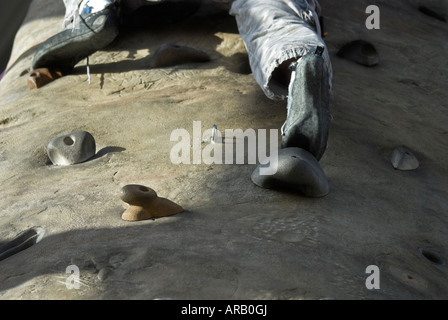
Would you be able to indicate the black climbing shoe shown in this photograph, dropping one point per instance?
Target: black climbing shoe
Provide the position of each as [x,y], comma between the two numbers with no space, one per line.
[308,116]
[65,49]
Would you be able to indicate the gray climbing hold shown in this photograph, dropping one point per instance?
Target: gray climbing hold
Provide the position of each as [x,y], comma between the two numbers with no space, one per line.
[297,170]
[22,241]
[73,148]
[361,52]
[403,159]
[170,55]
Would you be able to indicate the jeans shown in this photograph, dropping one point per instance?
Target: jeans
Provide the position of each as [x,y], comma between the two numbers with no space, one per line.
[273,31]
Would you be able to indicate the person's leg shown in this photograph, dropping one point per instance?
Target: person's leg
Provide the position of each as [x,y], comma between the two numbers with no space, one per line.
[308,117]
[277,33]
[89,25]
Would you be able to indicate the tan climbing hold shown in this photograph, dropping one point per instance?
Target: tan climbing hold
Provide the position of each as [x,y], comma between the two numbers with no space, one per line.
[42,76]
[145,204]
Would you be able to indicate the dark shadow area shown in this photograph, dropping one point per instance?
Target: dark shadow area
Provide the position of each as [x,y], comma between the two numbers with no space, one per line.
[107,150]
[219,21]
[9,26]
[18,255]
[157,14]
[431,13]
[138,251]
[192,15]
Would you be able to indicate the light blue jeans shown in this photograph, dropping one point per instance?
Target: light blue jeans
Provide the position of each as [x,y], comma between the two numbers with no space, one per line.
[273,31]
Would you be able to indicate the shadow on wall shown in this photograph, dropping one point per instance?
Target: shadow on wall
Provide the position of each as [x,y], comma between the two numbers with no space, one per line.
[150,15]
[12,14]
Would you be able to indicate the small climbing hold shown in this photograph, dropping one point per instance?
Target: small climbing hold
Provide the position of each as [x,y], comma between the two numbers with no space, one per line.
[361,52]
[170,55]
[297,170]
[403,159]
[42,76]
[73,148]
[144,203]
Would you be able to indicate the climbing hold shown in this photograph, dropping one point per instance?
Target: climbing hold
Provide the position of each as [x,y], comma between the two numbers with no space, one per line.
[145,204]
[42,76]
[170,55]
[22,241]
[361,52]
[72,148]
[297,170]
[403,159]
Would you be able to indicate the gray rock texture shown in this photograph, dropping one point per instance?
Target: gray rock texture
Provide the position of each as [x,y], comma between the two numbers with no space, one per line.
[234,240]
